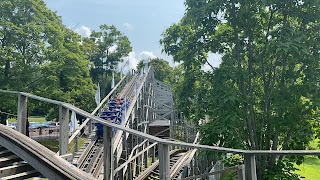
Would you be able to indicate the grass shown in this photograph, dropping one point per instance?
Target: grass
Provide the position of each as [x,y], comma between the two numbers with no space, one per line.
[309,169]
[53,144]
[230,175]
[38,119]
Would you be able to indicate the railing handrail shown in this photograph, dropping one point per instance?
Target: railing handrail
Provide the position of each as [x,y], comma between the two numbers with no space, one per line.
[163,141]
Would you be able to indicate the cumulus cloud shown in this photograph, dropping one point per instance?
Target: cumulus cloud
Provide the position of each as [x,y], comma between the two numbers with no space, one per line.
[128,26]
[146,55]
[133,62]
[83,31]
[134,59]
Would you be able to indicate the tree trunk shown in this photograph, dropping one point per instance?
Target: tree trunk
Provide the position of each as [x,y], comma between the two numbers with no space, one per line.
[6,70]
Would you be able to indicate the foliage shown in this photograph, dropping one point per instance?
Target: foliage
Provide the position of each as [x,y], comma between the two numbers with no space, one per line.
[41,56]
[282,170]
[162,70]
[265,94]
[51,115]
[67,77]
[232,161]
[105,49]
[25,29]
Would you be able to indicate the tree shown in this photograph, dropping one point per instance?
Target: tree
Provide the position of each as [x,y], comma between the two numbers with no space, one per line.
[112,45]
[67,76]
[25,28]
[41,56]
[265,93]
[162,70]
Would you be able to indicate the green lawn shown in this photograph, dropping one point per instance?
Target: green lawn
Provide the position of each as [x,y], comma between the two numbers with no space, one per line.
[38,119]
[53,144]
[310,168]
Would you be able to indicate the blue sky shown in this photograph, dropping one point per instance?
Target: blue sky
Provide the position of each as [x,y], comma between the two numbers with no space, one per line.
[143,21]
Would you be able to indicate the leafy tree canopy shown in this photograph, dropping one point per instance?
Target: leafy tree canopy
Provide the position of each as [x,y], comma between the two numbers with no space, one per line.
[265,94]
[105,49]
[162,70]
[41,56]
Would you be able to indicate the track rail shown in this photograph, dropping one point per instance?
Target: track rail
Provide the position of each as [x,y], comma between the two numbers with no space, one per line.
[153,171]
[38,156]
[91,160]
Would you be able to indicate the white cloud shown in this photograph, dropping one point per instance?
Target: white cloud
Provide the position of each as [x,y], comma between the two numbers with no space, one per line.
[83,31]
[134,60]
[146,55]
[128,26]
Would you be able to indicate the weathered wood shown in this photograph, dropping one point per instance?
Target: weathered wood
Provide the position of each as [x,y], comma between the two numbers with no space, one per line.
[64,130]
[22,113]
[107,151]
[250,167]
[164,161]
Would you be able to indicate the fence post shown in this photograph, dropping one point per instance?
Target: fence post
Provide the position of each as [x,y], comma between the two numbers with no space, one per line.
[22,114]
[64,130]
[250,166]
[107,151]
[164,161]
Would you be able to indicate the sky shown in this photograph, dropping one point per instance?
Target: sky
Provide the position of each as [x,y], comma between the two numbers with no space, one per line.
[142,21]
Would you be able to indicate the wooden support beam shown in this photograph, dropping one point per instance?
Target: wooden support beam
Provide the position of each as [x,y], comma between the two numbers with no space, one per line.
[64,130]
[107,152]
[250,167]
[22,114]
[164,161]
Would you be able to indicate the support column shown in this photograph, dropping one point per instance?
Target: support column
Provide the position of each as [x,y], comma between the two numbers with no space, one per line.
[240,172]
[154,153]
[164,161]
[63,130]
[89,127]
[250,167]
[146,157]
[107,152]
[130,171]
[22,114]
[186,133]
[191,168]
[75,145]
